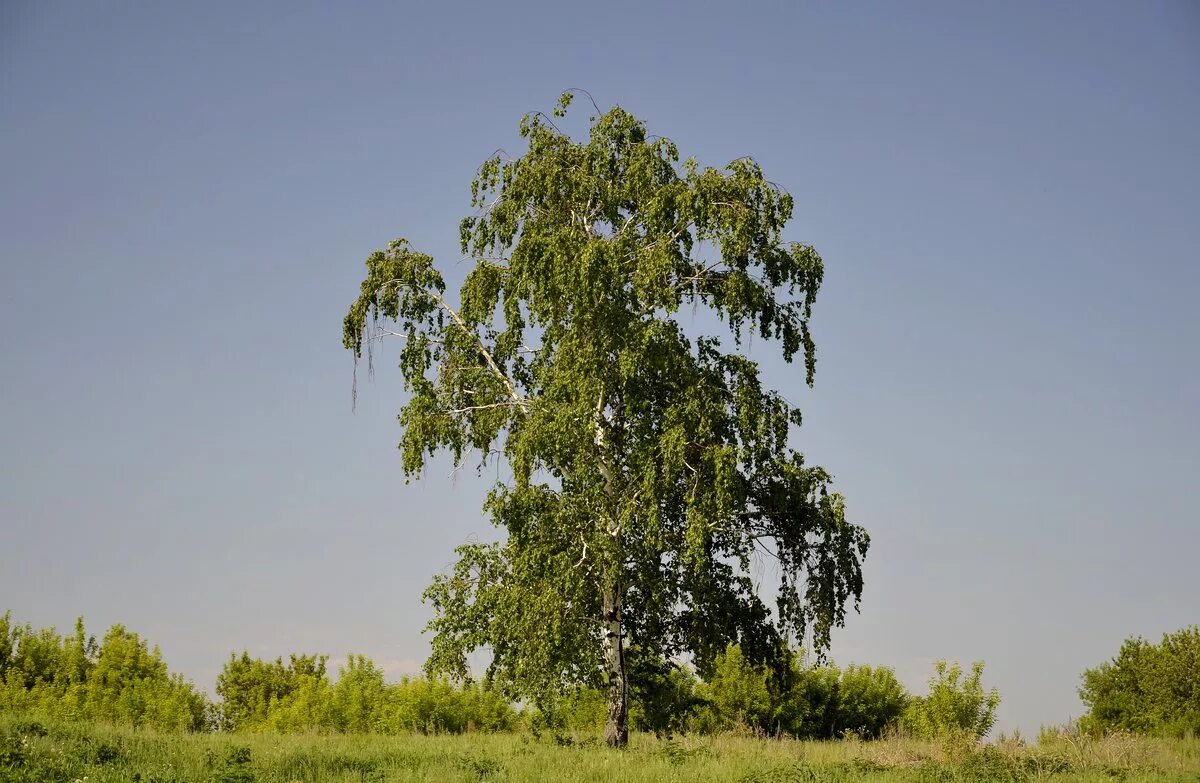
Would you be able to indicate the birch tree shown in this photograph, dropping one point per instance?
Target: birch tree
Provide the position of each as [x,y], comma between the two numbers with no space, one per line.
[649,465]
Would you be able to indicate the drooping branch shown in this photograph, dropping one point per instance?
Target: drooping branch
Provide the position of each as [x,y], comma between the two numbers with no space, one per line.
[487,355]
[516,398]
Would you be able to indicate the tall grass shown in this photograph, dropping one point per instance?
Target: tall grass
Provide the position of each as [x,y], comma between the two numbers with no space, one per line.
[60,752]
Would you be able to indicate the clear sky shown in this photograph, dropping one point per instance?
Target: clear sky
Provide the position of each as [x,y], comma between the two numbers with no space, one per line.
[1006,196]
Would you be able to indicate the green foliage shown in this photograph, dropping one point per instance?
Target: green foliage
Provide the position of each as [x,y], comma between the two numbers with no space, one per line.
[737,693]
[665,695]
[809,701]
[299,696]
[663,701]
[129,683]
[123,681]
[1147,688]
[648,465]
[236,767]
[870,700]
[357,696]
[582,710]
[250,688]
[955,706]
[433,705]
[120,680]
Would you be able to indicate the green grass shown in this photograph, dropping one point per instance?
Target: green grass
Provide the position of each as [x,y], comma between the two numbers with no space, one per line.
[54,752]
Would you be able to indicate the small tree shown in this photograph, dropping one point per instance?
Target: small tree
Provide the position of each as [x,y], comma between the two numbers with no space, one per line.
[1147,688]
[738,693]
[648,466]
[869,700]
[357,698]
[250,688]
[954,706]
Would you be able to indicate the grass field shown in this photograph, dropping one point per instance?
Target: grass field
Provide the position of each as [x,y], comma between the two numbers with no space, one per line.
[56,752]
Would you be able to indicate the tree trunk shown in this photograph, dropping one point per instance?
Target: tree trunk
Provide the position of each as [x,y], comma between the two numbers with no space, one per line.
[616,730]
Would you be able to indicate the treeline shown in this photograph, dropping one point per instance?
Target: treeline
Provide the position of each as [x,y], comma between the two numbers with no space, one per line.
[122,679]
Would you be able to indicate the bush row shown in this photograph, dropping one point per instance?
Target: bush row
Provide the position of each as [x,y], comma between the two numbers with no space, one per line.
[299,696]
[812,700]
[123,680]
[1146,688]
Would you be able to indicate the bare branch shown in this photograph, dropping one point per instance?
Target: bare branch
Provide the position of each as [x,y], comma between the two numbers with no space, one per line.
[589,97]
[584,555]
[505,404]
[487,355]
[700,276]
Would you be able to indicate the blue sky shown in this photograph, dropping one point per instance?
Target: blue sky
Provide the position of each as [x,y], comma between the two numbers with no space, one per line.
[1006,197]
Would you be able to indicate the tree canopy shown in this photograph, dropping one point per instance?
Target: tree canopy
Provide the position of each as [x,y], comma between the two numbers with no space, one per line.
[648,465]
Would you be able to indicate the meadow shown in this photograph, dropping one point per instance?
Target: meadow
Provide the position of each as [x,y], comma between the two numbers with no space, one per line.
[69,752]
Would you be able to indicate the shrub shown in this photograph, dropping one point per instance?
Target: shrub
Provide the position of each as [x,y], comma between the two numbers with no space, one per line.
[808,701]
[736,693]
[299,696]
[664,696]
[955,706]
[870,700]
[250,688]
[435,706]
[1148,688]
[122,680]
[357,698]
